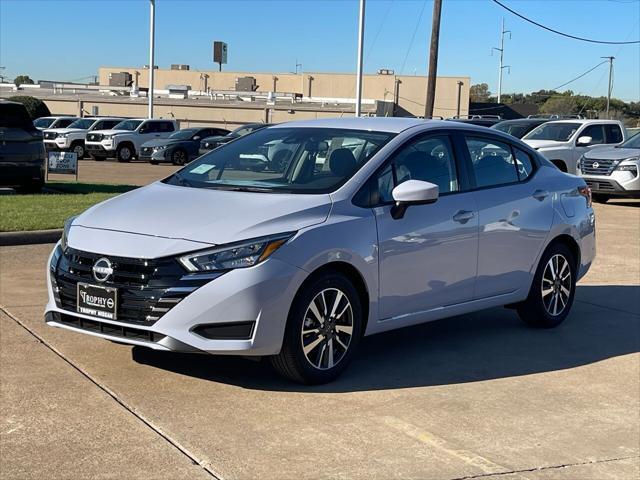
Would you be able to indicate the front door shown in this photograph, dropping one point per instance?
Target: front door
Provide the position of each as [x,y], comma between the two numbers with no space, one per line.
[427,258]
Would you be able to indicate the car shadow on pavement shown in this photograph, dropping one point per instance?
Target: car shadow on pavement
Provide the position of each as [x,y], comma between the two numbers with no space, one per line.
[486,345]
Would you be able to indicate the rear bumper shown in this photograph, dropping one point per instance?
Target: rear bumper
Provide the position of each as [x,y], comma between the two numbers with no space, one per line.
[20,173]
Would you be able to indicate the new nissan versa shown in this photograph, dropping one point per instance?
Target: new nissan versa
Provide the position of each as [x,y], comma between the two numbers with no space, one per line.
[353,227]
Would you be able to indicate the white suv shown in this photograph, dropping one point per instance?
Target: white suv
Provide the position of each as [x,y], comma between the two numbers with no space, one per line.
[72,138]
[563,142]
[125,140]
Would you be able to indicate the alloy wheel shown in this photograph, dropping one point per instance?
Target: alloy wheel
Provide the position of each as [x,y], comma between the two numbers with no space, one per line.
[556,285]
[79,151]
[125,153]
[327,329]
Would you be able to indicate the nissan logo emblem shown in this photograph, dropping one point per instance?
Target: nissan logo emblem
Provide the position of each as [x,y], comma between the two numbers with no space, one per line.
[595,165]
[102,269]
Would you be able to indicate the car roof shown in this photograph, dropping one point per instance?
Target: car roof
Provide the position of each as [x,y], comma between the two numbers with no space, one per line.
[380,124]
[524,120]
[584,121]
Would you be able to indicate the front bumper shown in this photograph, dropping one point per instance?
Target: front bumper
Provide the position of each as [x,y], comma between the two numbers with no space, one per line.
[259,295]
[619,183]
[101,149]
[154,156]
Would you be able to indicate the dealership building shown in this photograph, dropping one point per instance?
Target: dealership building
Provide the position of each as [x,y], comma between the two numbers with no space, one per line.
[216,98]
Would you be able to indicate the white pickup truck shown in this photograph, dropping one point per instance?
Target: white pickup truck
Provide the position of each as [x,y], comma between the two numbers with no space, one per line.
[72,138]
[124,141]
[563,142]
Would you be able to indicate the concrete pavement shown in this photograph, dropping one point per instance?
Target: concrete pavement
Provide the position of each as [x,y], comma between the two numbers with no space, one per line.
[477,396]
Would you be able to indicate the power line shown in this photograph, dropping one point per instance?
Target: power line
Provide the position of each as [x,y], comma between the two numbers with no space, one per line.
[413,37]
[561,33]
[580,76]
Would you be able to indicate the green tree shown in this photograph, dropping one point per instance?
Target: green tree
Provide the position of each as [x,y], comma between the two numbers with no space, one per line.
[36,107]
[23,80]
[479,93]
[561,105]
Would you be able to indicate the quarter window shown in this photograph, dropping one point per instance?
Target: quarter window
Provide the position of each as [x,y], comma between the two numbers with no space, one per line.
[523,164]
[428,159]
[492,161]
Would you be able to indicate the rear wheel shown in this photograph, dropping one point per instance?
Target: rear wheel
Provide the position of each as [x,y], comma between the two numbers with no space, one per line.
[552,290]
[600,198]
[323,331]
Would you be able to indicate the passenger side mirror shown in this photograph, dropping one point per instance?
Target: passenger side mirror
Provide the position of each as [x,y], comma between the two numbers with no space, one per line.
[584,141]
[413,192]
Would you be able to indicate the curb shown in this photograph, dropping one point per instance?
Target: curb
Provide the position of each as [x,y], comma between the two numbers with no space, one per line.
[30,238]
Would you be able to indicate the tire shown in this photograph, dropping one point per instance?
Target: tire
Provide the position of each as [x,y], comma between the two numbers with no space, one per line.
[33,186]
[78,148]
[125,153]
[179,157]
[600,198]
[98,158]
[153,162]
[342,327]
[548,310]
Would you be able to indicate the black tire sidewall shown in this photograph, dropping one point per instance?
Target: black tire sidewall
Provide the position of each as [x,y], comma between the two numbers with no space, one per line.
[119,153]
[533,310]
[292,344]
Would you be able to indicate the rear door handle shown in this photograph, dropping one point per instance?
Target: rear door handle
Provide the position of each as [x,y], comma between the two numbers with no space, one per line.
[540,194]
[463,216]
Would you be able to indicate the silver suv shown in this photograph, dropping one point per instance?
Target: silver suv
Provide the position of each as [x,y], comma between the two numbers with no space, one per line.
[613,172]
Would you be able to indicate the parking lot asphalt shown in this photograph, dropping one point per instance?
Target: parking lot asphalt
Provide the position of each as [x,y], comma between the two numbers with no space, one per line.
[476,396]
[110,171]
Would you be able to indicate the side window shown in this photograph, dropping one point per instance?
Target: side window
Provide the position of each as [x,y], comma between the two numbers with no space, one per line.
[523,164]
[614,134]
[428,159]
[596,132]
[492,161]
[166,127]
[148,127]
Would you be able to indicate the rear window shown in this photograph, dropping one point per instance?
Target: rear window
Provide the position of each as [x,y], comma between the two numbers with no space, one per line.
[14,116]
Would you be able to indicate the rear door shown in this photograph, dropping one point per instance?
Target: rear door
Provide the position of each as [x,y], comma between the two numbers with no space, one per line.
[427,258]
[515,214]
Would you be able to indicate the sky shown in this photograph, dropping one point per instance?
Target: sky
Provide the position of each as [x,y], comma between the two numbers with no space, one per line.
[68,40]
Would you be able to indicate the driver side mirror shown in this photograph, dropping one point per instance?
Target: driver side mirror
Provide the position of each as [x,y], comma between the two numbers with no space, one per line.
[413,192]
[584,141]
[197,137]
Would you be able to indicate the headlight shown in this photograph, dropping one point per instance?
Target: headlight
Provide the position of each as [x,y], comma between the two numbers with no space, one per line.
[628,167]
[108,137]
[65,231]
[63,135]
[579,163]
[160,148]
[237,255]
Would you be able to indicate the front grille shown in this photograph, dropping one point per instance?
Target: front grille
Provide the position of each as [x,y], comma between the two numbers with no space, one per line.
[94,137]
[601,186]
[147,289]
[50,135]
[597,167]
[105,328]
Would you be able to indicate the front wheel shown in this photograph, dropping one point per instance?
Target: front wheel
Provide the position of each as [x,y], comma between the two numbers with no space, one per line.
[552,290]
[78,149]
[124,153]
[179,157]
[323,331]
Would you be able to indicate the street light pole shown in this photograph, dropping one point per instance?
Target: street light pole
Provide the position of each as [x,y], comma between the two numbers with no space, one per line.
[152,31]
[359,68]
[610,82]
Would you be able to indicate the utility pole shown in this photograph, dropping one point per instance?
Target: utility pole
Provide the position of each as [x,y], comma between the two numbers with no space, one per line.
[433,59]
[359,68]
[501,67]
[610,82]
[152,31]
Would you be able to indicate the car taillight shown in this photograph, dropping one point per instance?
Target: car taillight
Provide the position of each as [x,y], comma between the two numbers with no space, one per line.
[586,193]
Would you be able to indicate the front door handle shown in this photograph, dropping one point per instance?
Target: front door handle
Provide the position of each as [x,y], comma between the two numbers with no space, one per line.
[463,216]
[540,194]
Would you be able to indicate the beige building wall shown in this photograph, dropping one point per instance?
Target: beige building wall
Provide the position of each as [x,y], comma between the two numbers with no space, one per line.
[411,90]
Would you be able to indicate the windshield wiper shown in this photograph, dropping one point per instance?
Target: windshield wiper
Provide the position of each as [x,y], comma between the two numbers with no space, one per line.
[243,189]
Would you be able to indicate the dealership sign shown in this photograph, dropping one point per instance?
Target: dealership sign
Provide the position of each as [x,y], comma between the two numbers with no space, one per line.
[63,162]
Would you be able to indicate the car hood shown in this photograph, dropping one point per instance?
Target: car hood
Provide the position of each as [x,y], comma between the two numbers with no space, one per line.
[613,153]
[543,143]
[111,132]
[216,138]
[205,215]
[159,142]
[64,130]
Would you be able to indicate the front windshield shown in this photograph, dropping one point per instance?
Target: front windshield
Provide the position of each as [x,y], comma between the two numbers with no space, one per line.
[559,132]
[43,122]
[244,130]
[82,123]
[284,160]
[185,134]
[127,125]
[633,142]
[518,130]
